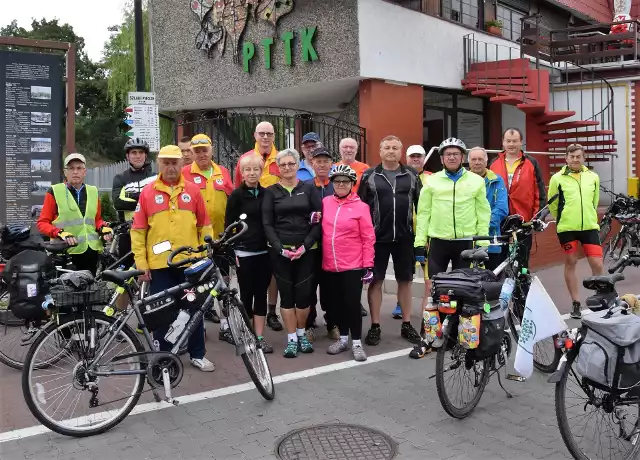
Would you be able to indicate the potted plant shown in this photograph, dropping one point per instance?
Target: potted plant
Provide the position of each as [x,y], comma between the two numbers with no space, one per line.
[494,27]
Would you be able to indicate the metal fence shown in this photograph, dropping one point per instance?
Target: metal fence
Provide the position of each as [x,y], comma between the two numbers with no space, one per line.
[102,176]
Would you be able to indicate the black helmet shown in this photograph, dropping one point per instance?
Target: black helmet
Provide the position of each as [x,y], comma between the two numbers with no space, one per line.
[14,233]
[136,143]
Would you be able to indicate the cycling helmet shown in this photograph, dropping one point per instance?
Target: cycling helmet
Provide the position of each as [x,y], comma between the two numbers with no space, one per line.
[136,143]
[452,142]
[344,170]
[14,233]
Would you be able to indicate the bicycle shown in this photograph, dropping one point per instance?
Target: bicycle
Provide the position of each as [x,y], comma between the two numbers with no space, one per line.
[624,209]
[461,360]
[620,407]
[88,337]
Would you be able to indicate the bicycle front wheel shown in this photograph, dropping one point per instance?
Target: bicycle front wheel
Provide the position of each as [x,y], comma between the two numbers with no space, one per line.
[67,397]
[251,353]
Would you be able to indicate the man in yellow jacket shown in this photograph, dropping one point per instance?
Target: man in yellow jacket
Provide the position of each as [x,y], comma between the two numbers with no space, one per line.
[170,210]
[214,182]
[576,214]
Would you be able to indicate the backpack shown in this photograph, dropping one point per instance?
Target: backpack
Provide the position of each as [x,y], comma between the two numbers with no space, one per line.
[25,275]
[473,286]
[609,355]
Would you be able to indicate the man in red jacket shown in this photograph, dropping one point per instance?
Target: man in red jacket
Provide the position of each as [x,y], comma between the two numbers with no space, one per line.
[523,177]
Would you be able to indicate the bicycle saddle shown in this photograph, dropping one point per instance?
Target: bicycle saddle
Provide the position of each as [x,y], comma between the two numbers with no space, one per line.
[120,277]
[479,254]
[55,247]
[602,283]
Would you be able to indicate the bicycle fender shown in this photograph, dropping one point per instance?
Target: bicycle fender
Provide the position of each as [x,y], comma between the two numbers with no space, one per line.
[557,375]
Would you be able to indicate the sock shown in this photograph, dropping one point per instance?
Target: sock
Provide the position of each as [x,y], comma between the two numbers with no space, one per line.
[260,337]
[344,338]
[356,343]
[300,332]
[375,325]
[271,309]
[224,324]
[292,337]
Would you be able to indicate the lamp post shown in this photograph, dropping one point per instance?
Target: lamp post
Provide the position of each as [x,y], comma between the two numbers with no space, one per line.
[140,77]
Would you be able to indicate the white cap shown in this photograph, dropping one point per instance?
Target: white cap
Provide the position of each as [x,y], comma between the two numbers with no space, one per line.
[74,156]
[416,149]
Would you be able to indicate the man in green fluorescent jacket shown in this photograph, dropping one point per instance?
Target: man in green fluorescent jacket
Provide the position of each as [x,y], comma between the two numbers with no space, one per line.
[576,214]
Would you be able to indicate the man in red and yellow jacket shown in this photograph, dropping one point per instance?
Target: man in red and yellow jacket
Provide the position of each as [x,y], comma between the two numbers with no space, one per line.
[523,178]
[170,213]
[265,147]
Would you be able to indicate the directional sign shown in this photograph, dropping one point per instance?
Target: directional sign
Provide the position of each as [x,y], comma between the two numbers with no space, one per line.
[143,122]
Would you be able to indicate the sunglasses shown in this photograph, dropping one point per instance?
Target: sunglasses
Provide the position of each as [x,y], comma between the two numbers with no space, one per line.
[201,142]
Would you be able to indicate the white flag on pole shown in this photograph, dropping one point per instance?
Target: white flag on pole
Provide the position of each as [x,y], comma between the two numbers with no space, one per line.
[541,320]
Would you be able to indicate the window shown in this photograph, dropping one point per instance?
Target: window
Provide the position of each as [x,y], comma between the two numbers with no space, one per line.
[411,4]
[511,22]
[464,11]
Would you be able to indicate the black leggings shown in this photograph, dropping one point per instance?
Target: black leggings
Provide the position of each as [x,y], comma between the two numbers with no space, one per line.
[321,282]
[254,276]
[344,296]
[441,252]
[295,279]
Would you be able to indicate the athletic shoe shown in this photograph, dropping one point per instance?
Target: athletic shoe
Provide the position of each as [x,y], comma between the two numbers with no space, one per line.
[266,348]
[363,312]
[397,312]
[212,315]
[292,349]
[420,350]
[274,322]
[358,353]
[226,336]
[203,364]
[304,345]
[334,333]
[575,310]
[373,336]
[337,347]
[408,332]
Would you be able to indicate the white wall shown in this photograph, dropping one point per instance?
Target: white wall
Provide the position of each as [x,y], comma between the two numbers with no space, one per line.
[589,104]
[512,117]
[400,44]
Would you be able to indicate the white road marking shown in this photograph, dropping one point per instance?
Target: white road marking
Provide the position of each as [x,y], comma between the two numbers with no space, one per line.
[150,407]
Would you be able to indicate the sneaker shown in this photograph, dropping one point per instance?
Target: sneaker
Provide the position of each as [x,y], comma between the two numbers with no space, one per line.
[304,345]
[420,350]
[373,336]
[226,336]
[334,333]
[310,333]
[408,332]
[292,350]
[212,315]
[337,347]
[397,312]
[575,311]
[358,353]
[203,364]
[266,348]
[274,322]
[363,312]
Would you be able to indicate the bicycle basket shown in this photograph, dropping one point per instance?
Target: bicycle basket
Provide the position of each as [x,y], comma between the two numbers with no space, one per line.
[98,294]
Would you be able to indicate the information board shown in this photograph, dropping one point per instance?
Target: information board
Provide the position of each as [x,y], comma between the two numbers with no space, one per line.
[31,114]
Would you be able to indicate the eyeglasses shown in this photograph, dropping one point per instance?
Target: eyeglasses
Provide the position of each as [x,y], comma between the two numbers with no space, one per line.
[201,142]
[341,182]
[288,165]
[451,155]
[264,134]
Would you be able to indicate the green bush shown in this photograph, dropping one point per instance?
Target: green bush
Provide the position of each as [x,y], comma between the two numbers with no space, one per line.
[109,213]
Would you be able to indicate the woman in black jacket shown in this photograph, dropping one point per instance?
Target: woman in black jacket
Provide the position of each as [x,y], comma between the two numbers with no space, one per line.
[253,265]
[291,215]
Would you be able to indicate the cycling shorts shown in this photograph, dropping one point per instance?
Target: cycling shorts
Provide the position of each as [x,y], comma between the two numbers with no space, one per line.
[589,239]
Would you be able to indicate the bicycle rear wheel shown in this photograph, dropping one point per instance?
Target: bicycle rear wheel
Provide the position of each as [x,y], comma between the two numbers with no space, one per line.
[597,425]
[251,353]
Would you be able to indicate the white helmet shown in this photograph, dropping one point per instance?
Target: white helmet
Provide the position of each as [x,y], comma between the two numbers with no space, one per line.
[452,142]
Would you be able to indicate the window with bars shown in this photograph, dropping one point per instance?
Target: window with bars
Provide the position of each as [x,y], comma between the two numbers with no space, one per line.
[463,11]
[511,21]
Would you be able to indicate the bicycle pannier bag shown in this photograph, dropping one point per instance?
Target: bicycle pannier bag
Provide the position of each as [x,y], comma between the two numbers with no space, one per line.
[25,276]
[160,314]
[469,285]
[491,332]
[609,355]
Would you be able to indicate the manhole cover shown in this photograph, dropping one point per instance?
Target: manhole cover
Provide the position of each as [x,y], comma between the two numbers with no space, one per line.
[336,441]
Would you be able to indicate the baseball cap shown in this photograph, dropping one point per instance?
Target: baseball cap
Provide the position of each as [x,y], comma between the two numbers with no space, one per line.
[200,140]
[416,150]
[320,151]
[170,151]
[75,156]
[310,137]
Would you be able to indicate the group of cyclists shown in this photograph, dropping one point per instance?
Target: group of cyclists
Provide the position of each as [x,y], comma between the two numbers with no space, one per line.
[319,226]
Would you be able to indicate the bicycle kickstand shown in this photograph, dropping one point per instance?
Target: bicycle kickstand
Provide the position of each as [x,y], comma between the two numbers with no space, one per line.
[167,387]
[509,395]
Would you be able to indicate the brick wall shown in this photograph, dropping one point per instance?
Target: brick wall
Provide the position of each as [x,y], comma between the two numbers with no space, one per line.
[596,9]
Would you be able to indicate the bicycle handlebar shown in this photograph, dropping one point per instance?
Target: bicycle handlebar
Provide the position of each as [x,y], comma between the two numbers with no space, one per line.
[624,262]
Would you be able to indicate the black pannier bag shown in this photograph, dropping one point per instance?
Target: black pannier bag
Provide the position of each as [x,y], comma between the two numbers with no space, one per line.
[160,313]
[473,286]
[491,333]
[25,275]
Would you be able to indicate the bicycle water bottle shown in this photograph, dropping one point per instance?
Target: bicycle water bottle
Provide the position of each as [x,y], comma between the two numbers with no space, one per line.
[177,327]
[48,302]
[431,327]
[506,293]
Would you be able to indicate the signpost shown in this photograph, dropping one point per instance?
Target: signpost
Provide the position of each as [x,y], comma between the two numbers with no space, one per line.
[142,118]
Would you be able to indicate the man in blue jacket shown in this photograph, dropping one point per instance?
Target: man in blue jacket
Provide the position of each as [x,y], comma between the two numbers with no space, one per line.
[497,197]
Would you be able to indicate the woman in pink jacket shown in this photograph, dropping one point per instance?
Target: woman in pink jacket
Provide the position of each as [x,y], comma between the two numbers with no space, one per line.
[347,257]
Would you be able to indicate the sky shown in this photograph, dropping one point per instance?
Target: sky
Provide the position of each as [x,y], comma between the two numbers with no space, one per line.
[90,19]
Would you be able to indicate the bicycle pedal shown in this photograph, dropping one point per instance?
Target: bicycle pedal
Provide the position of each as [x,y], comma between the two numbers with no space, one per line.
[516,378]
